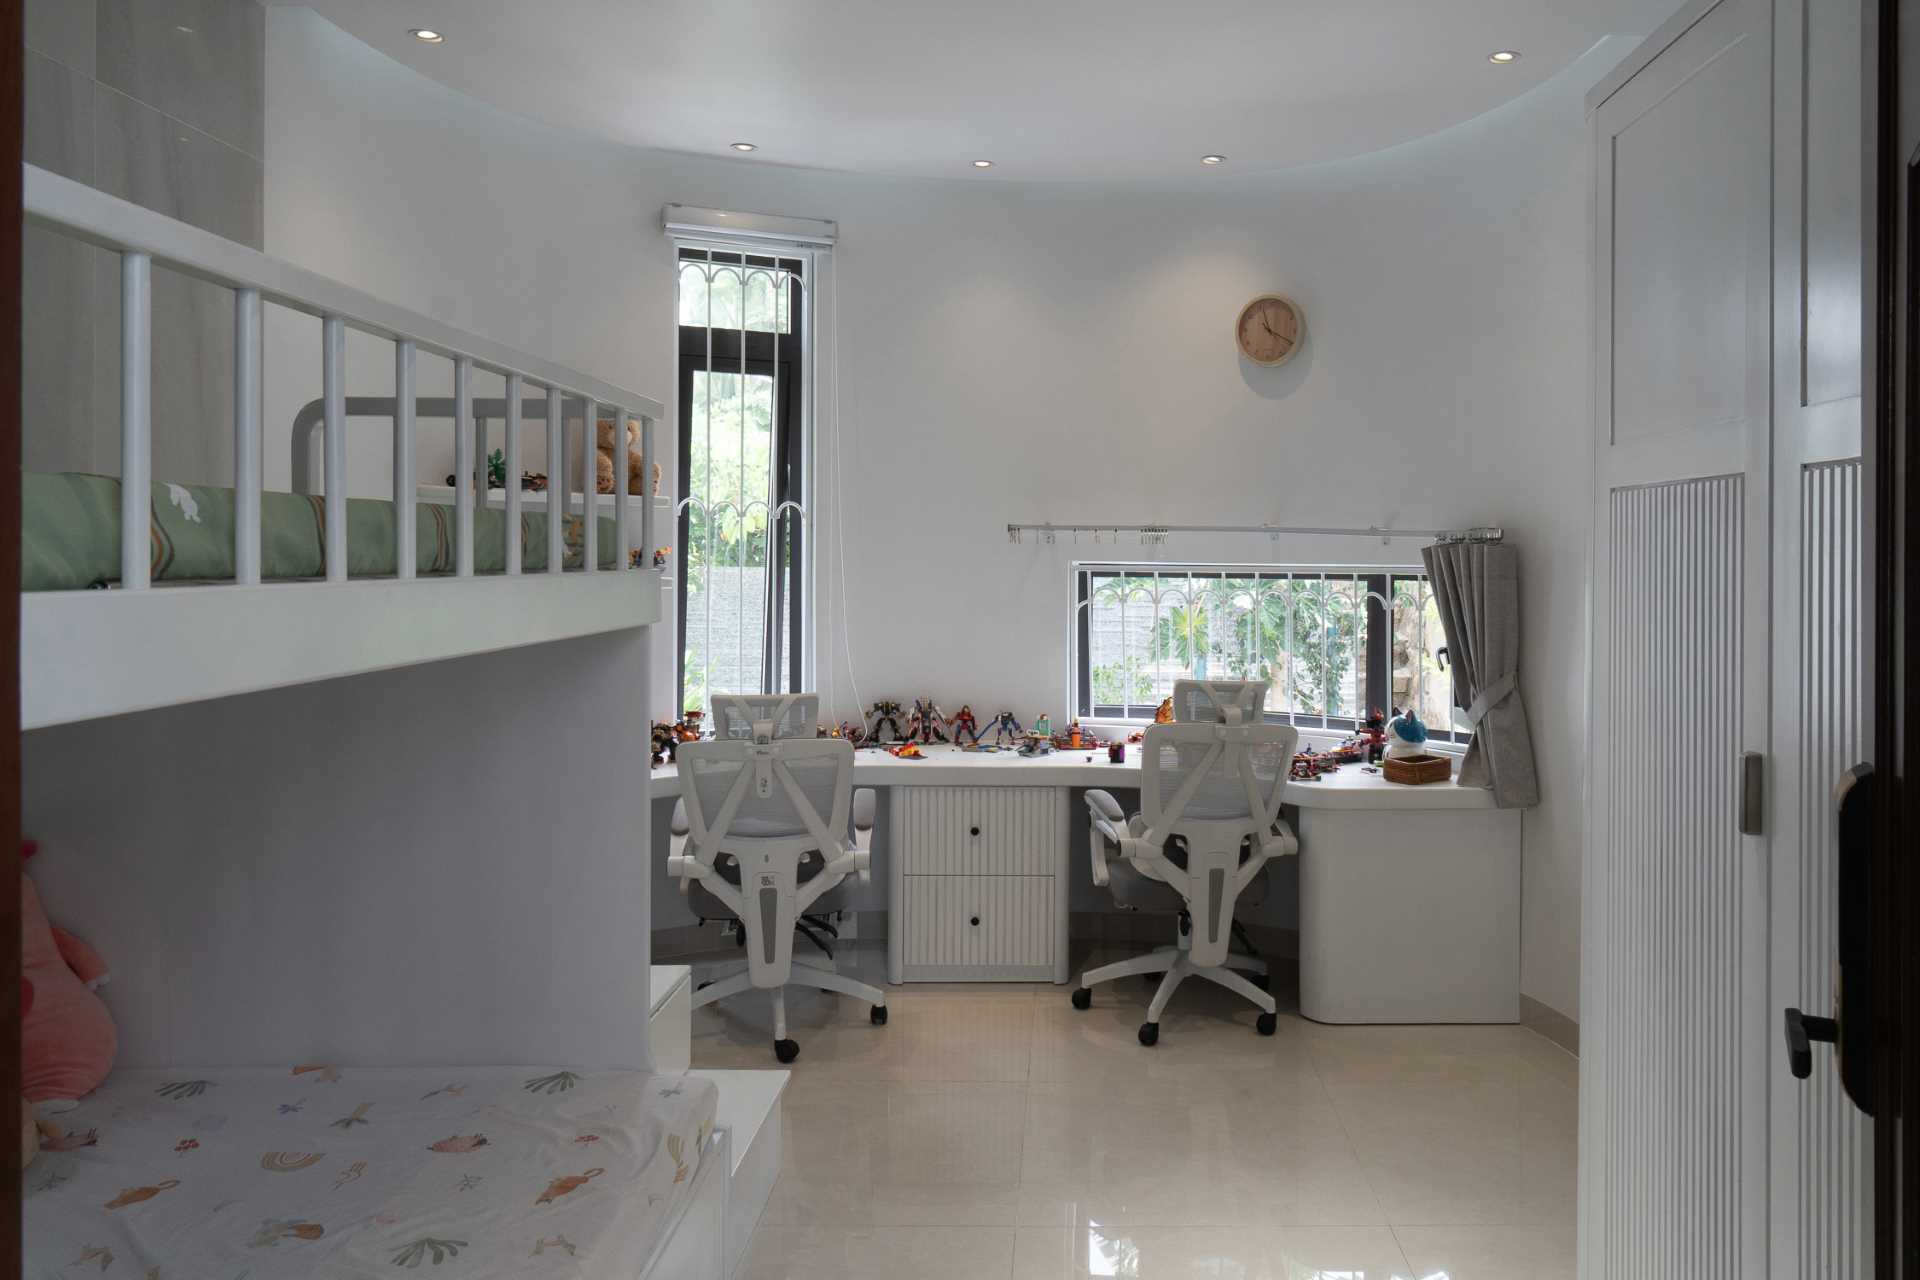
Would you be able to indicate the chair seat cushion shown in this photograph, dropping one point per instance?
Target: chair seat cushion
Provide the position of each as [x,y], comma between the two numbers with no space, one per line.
[704,904]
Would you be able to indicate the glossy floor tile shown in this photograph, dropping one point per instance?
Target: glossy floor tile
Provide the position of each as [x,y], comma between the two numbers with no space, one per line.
[995,1131]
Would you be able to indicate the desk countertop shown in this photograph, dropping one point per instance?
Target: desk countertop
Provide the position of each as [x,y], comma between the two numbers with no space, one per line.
[1349,787]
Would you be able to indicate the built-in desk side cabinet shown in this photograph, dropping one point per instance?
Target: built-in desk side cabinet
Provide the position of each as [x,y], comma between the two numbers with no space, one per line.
[977,887]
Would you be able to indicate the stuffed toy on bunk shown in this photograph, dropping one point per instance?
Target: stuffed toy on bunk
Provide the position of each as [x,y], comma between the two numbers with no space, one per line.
[67,1038]
[1406,736]
[603,464]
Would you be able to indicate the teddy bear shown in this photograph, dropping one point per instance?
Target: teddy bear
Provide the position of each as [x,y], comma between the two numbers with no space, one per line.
[603,462]
[67,1037]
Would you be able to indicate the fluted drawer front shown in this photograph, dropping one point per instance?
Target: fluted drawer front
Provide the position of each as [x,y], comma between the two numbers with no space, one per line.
[978,831]
[979,921]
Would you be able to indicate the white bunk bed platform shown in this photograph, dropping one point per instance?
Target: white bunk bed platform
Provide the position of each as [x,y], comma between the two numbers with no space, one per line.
[142,643]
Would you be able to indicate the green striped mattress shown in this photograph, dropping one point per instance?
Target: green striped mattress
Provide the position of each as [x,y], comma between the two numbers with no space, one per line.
[70,534]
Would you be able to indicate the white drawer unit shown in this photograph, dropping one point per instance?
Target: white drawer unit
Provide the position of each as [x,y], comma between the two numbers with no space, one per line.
[978,888]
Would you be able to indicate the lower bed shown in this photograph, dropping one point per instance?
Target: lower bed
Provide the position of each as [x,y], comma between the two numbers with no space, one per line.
[267,1173]
[70,535]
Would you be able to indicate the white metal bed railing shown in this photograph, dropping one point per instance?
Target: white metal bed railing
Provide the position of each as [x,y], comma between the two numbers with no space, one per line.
[143,238]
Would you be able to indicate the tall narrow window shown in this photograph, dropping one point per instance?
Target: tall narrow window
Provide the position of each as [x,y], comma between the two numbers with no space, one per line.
[742,367]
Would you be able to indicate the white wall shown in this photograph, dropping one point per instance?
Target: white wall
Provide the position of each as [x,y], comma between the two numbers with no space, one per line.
[1011,351]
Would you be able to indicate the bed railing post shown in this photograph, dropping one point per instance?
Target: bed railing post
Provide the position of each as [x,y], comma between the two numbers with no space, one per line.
[511,452]
[406,490]
[333,384]
[246,436]
[621,452]
[463,467]
[589,485]
[556,480]
[646,493]
[136,420]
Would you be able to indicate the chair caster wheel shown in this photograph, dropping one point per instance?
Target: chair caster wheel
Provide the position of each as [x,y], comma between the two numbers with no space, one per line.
[1149,1033]
[1266,1024]
[1083,998]
[786,1050]
[877,1015]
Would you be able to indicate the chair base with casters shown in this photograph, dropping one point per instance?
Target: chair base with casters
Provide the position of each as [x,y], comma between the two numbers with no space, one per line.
[818,972]
[1174,965]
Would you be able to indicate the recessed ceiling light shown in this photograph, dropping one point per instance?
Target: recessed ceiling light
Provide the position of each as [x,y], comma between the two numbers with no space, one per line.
[983,164]
[426,35]
[1504,56]
[1213,159]
[183,28]
[744,146]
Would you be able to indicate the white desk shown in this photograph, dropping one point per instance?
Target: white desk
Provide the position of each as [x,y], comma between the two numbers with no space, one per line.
[1409,896]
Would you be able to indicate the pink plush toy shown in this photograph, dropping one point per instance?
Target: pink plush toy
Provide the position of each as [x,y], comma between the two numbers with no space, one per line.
[67,1038]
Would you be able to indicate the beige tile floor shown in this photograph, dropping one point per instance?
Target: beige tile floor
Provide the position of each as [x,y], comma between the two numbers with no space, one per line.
[993,1131]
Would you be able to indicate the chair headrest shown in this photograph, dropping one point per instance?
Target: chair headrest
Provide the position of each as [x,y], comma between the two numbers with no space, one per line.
[1219,701]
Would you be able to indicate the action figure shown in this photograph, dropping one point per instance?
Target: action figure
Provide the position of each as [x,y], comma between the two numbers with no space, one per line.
[1006,730]
[688,728]
[963,727]
[1164,714]
[885,712]
[665,744]
[1043,727]
[926,724]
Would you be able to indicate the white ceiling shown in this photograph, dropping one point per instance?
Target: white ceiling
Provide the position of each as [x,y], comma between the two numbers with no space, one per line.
[1047,89]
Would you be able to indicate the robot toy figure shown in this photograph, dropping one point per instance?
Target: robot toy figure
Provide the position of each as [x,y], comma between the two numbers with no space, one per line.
[1043,727]
[1006,730]
[926,724]
[665,744]
[886,712]
[964,728]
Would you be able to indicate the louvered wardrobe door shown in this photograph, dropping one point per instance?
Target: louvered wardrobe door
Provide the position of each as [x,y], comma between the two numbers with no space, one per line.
[1673,995]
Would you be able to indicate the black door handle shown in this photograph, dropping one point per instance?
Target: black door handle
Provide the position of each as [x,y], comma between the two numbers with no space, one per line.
[973,831]
[1801,1031]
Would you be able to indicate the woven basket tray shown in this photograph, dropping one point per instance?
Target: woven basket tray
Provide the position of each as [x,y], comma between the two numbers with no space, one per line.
[1415,770]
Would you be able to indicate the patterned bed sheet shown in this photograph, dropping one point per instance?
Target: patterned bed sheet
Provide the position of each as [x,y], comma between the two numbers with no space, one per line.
[270,1173]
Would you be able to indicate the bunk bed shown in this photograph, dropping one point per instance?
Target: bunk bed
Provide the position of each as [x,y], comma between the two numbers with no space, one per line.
[321,585]
[145,593]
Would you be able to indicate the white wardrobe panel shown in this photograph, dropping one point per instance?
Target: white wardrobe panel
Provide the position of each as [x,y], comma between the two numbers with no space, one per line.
[1829,149]
[1679,280]
[1833,1166]
[1675,876]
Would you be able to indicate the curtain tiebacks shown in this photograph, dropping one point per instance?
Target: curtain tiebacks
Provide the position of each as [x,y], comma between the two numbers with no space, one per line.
[1490,697]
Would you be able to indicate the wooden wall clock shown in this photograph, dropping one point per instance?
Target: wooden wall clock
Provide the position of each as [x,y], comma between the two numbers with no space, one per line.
[1269,330]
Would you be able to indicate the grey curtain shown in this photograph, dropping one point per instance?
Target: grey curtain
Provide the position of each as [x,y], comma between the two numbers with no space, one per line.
[1476,586]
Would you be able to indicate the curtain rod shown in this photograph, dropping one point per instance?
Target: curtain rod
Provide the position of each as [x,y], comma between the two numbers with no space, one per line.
[1157,533]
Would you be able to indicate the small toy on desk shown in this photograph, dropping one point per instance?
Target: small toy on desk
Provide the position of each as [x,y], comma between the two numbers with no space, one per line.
[665,744]
[965,730]
[1374,734]
[907,751]
[533,481]
[1042,727]
[1311,765]
[1036,745]
[1163,714]
[1406,736]
[926,723]
[1076,736]
[885,715]
[1116,753]
[1006,730]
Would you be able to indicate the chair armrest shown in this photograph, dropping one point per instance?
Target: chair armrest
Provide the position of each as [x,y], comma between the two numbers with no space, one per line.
[681,865]
[1107,823]
[862,851]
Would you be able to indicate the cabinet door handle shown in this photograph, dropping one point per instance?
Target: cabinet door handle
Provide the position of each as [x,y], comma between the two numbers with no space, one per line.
[975,922]
[973,831]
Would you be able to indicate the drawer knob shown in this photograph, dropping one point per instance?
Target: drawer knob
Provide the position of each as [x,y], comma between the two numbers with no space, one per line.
[973,831]
[975,922]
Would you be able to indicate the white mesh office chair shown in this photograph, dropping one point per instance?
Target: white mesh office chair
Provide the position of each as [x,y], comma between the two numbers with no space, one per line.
[761,833]
[1210,790]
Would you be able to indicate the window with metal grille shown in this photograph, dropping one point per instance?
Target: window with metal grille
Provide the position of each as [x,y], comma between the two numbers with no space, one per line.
[743,374]
[1334,643]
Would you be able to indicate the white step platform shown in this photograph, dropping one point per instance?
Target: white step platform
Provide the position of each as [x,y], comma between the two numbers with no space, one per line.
[670,1016]
[750,1111]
